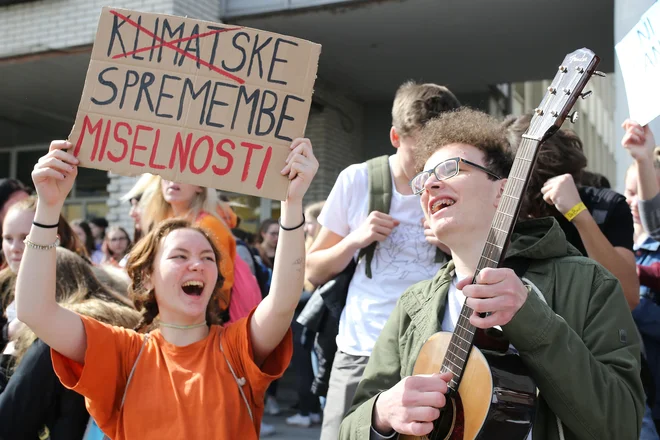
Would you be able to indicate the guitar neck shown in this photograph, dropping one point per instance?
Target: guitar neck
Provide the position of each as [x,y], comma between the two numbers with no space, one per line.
[493,252]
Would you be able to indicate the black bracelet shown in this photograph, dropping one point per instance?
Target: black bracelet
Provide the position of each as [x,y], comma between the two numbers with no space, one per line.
[41,225]
[279,220]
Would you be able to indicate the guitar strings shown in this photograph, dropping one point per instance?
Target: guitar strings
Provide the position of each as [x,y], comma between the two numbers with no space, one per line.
[491,249]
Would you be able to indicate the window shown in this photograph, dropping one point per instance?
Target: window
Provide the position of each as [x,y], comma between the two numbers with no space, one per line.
[14,2]
[89,194]
[251,209]
[4,164]
[91,183]
[25,164]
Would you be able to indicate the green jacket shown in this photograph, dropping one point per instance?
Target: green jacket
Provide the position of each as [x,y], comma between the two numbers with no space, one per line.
[580,344]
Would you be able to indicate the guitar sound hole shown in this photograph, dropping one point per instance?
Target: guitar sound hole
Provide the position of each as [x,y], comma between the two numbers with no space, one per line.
[445,428]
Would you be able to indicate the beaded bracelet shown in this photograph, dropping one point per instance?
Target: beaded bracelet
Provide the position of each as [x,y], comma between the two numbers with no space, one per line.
[41,247]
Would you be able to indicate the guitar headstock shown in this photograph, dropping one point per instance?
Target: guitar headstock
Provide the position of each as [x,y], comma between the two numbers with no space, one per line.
[572,76]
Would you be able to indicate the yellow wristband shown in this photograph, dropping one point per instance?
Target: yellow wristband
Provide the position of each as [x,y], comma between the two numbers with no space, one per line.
[574,211]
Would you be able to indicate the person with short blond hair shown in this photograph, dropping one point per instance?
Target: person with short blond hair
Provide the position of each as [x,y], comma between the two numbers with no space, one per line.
[416,104]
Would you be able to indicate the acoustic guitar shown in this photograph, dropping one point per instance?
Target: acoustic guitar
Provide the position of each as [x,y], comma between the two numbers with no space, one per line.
[491,395]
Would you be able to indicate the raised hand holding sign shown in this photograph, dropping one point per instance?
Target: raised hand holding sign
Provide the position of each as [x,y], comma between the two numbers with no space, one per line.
[194,101]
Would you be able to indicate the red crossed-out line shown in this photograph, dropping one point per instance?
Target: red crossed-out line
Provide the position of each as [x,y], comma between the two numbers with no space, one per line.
[192,37]
[170,44]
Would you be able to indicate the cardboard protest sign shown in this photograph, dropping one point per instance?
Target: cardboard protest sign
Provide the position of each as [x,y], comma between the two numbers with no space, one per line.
[194,101]
[639,56]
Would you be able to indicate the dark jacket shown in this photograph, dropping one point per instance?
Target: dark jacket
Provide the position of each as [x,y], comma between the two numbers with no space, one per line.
[321,316]
[35,398]
[574,332]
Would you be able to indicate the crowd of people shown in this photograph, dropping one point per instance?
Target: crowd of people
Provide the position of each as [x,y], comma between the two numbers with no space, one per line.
[188,318]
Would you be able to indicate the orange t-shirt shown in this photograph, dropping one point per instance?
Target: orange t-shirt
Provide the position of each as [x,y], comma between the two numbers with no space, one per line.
[176,392]
[226,244]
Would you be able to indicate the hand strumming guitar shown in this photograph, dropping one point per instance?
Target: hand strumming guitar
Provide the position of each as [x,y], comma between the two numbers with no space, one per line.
[411,406]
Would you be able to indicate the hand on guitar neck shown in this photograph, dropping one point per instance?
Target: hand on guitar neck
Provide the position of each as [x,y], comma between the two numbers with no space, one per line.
[411,406]
[498,292]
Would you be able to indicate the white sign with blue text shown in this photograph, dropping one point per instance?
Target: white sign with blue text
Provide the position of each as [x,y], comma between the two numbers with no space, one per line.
[639,56]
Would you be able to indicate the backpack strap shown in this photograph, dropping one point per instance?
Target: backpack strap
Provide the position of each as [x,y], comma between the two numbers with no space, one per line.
[380,197]
[130,377]
[240,381]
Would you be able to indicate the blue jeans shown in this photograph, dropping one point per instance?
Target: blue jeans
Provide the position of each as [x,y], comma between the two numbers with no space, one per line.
[648,427]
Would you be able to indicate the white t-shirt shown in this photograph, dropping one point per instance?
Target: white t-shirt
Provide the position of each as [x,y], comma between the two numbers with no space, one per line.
[401,260]
[455,301]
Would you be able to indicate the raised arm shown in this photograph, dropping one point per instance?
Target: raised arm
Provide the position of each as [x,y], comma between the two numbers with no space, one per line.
[273,316]
[640,143]
[561,192]
[617,259]
[59,328]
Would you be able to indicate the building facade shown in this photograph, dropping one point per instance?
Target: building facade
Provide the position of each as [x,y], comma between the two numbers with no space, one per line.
[369,48]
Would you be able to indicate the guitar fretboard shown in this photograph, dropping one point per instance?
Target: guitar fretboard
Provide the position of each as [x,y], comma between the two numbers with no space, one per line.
[494,249]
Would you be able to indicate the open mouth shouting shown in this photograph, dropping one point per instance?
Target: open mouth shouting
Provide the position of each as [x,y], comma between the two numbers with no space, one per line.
[193,288]
[438,205]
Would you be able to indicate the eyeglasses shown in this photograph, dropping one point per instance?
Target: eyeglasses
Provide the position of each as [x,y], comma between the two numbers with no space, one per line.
[443,171]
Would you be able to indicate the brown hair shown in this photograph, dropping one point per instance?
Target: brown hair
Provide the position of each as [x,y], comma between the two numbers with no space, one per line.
[416,104]
[470,127]
[75,282]
[68,238]
[89,244]
[105,247]
[140,266]
[75,278]
[560,154]
[7,287]
[597,180]
[314,210]
[263,228]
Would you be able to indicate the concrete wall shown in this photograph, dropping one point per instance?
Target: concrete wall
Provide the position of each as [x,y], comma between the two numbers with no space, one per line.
[377,124]
[335,127]
[61,24]
[594,124]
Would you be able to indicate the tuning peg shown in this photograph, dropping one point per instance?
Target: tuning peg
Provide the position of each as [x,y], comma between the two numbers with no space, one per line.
[574,116]
[599,73]
[586,94]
